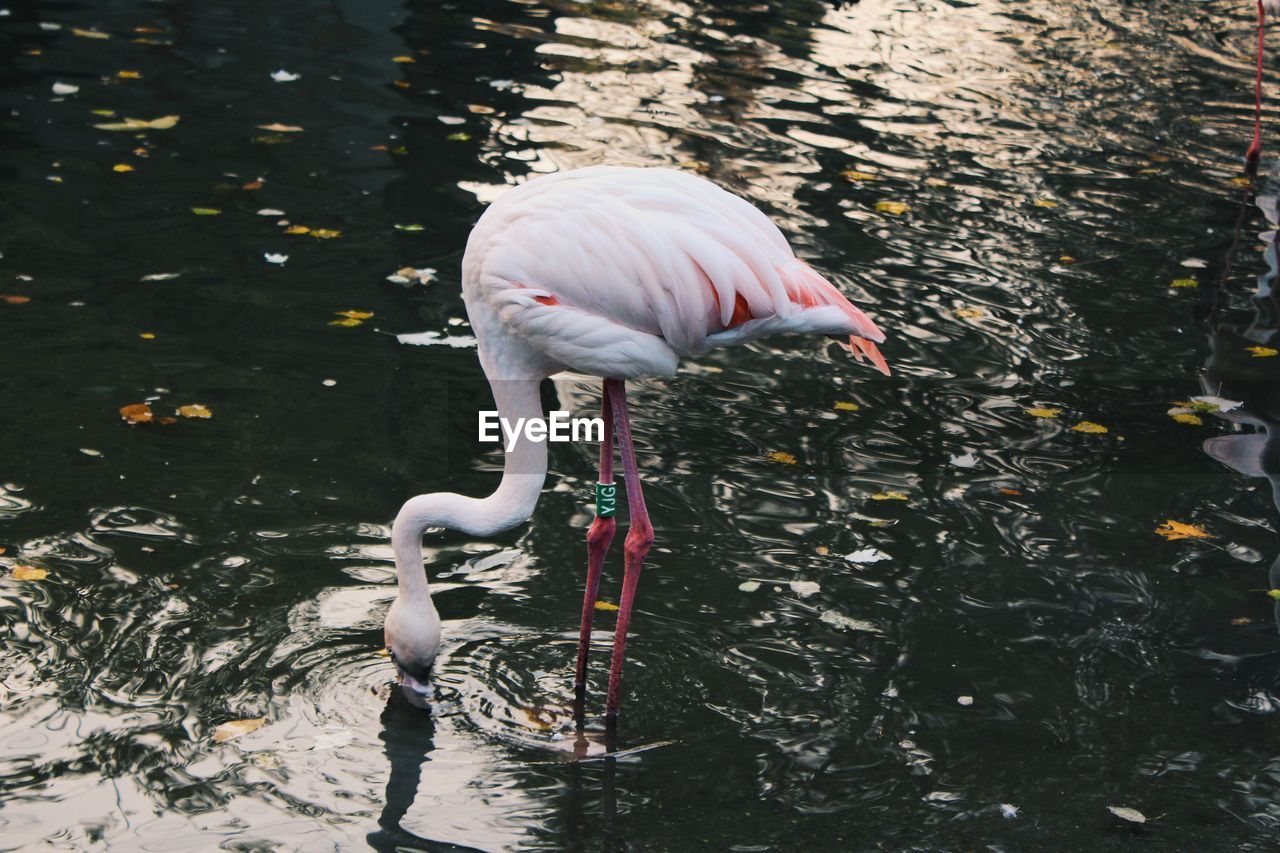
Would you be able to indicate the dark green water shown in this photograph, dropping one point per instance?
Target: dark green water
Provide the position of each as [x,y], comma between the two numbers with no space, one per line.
[237,567]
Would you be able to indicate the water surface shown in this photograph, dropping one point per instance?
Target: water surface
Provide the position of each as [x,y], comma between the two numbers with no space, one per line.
[1061,164]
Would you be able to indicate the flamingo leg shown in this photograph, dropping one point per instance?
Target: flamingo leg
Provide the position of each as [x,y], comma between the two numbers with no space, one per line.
[1254,153]
[599,538]
[639,538]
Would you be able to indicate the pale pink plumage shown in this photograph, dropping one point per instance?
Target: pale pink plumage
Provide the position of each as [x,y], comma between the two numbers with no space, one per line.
[619,272]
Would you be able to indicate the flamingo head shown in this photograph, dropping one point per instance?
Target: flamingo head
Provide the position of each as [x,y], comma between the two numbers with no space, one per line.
[412,634]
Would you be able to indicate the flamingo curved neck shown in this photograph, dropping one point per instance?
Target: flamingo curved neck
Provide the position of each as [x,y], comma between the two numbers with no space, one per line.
[524,470]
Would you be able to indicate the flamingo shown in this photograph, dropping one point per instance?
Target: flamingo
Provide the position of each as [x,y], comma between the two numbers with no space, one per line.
[617,273]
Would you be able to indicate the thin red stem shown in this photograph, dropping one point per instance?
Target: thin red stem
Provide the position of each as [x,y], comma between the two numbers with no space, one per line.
[1254,154]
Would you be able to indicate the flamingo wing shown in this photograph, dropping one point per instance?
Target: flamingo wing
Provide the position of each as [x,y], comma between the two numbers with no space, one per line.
[619,272]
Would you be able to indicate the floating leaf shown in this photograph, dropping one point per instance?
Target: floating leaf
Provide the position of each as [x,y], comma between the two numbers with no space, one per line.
[137,413]
[1045,202]
[804,589]
[283,76]
[403,59]
[1173,530]
[405,275]
[277,127]
[856,176]
[15,299]
[233,729]
[89,451]
[1184,282]
[867,555]
[350,318]
[893,208]
[162,123]
[412,227]
[195,410]
[103,113]
[1124,813]
[28,573]
[252,185]
[89,34]
[889,496]
[325,233]
[275,259]
[749,586]
[129,75]
[147,336]
[1263,352]
[1274,594]
[1186,416]
[1240,181]
[206,211]
[270,211]
[780,456]
[969,312]
[1044,412]
[606,606]
[842,406]
[160,276]
[122,167]
[460,136]
[65,89]
[297,229]
[847,623]
[1090,427]
[1005,491]
[1067,260]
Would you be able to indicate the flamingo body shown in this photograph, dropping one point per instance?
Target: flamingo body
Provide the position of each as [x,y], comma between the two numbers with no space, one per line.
[619,272]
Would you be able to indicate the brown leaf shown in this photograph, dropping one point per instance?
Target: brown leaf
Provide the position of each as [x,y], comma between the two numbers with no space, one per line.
[28,573]
[195,410]
[137,413]
[233,729]
[14,299]
[276,127]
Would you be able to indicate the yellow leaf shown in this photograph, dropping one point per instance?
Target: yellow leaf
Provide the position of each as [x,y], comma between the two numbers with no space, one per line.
[401,84]
[28,573]
[325,233]
[1172,530]
[280,128]
[1240,181]
[604,605]
[346,321]
[893,208]
[842,406]
[129,75]
[1274,593]
[403,59]
[162,123]
[1090,427]
[888,496]
[137,413]
[969,312]
[355,315]
[103,113]
[205,211]
[195,410]
[1263,352]
[122,167]
[1184,282]
[147,336]
[89,34]
[1066,259]
[1044,413]
[1045,202]
[384,653]
[855,175]
[1187,418]
[779,456]
[297,229]
[233,729]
